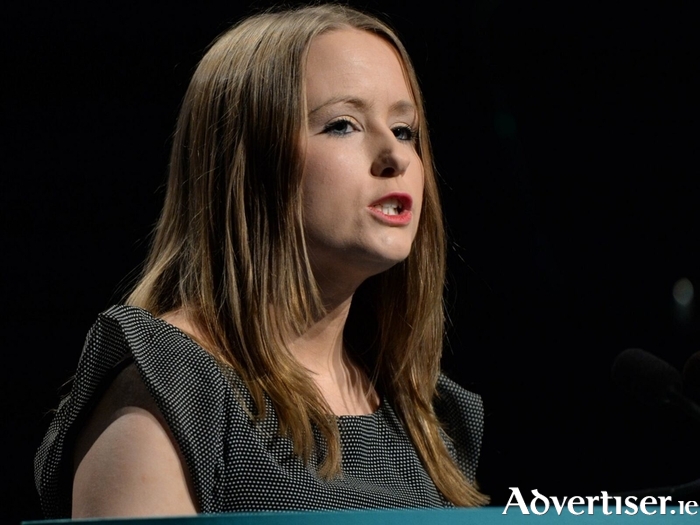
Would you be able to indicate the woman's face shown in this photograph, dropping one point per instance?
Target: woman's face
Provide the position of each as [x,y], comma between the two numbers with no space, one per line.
[363,180]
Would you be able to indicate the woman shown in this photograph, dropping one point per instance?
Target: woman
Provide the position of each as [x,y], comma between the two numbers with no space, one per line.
[281,350]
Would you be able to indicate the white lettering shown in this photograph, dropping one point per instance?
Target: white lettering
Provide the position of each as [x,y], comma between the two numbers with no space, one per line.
[557,505]
[575,500]
[533,504]
[520,502]
[691,504]
[618,504]
[579,505]
[591,499]
[647,500]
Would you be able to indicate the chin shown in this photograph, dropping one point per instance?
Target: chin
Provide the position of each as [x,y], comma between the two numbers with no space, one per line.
[387,261]
[358,261]
[395,251]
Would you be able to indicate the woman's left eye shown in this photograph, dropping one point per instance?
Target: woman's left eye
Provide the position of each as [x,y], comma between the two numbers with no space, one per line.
[405,133]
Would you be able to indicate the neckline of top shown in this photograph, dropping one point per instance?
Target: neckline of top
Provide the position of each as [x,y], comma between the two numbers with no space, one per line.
[171,327]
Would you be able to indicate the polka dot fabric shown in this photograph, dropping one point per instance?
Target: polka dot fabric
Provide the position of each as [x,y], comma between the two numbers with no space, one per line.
[238,464]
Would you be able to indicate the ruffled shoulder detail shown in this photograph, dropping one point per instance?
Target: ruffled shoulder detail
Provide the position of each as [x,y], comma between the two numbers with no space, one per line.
[461,413]
[238,464]
[171,366]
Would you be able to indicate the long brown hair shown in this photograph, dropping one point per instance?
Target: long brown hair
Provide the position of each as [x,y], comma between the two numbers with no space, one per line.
[229,247]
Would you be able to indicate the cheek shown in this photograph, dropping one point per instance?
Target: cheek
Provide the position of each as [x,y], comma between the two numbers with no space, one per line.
[314,181]
[321,163]
[418,187]
[320,192]
[328,177]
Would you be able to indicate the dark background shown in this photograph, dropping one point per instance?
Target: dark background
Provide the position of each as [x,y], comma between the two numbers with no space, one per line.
[565,133]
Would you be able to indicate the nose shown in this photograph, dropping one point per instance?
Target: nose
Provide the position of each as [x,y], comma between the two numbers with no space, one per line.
[391,158]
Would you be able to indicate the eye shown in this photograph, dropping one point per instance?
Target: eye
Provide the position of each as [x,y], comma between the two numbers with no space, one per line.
[340,127]
[405,133]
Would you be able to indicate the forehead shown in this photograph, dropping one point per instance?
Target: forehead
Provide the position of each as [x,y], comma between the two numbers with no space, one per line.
[352,61]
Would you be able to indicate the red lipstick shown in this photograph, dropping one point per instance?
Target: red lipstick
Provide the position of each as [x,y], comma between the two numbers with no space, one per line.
[393,208]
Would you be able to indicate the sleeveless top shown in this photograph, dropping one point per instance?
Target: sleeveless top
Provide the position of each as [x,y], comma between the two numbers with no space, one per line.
[240,464]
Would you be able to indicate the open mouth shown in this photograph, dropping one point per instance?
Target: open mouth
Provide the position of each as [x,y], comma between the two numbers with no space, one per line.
[393,203]
[391,206]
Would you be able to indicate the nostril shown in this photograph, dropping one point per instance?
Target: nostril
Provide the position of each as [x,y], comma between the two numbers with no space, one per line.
[389,163]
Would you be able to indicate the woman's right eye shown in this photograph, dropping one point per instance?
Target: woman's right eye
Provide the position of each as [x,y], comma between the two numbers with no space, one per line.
[340,127]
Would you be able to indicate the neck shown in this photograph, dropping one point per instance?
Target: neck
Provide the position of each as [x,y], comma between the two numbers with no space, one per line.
[320,349]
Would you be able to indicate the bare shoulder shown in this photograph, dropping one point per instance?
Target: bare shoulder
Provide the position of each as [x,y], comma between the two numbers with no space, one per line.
[126,461]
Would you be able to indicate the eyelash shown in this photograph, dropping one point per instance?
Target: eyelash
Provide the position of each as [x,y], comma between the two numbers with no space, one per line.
[338,128]
[411,134]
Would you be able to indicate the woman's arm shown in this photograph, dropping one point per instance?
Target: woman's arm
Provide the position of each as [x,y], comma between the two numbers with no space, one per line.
[126,461]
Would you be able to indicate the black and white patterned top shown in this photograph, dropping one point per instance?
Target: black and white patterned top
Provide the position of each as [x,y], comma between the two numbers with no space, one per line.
[238,464]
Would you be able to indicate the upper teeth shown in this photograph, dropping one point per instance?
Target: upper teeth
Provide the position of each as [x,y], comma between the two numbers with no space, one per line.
[389,207]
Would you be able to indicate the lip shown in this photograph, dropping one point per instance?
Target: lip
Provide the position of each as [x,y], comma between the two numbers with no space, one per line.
[403,218]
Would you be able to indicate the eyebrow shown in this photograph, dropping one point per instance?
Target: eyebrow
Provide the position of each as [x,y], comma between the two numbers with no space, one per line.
[401,106]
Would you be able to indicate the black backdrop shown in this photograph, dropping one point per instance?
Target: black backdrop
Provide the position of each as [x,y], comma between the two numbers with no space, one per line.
[566,137]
